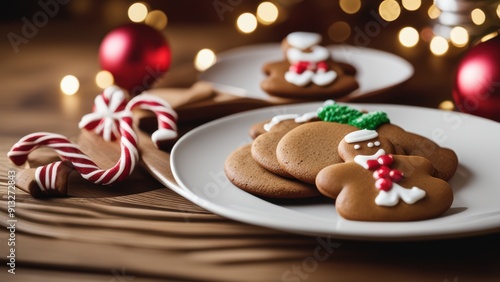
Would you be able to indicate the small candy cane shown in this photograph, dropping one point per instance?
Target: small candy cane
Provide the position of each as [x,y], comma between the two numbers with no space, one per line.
[46,176]
[167,117]
[112,103]
[105,117]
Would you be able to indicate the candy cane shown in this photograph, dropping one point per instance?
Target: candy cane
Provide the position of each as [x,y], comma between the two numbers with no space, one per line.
[105,117]
[167,117]
[109,106]
[45,177]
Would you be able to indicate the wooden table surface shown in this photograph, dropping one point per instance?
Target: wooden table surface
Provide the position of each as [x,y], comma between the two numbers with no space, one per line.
[156,235]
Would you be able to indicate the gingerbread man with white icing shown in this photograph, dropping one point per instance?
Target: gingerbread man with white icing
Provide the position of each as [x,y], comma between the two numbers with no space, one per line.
[375,185]
[308,70]
[308,60]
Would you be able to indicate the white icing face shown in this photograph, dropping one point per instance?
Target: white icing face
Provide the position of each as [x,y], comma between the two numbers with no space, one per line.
[303,40]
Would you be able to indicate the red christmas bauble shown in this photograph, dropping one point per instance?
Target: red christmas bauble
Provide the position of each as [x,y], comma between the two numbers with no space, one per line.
[136,55]
[476,88]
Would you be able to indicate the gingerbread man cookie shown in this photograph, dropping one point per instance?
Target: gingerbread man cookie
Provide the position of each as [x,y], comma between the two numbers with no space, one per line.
[304,151]
[308,71]
[373,184]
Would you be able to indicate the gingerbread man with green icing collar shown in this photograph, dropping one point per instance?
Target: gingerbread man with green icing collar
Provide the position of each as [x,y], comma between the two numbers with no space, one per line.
[373,184]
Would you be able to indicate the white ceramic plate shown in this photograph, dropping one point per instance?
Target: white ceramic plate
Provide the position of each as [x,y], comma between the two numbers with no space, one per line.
[242,68]
[198,157]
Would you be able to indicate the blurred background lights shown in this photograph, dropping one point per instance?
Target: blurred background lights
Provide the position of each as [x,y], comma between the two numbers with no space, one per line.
[489,36]
[339,31]
[350,6]
[478,16]
[433,12]
[498,11]
[439,46]
[104,79]
[267,13]
[204,59]
[459,36]
[446,105]
[246,23]
[137,12]
[70,84]
[389,10]
[426,34]
[157,19]
[411,5]
[408,36]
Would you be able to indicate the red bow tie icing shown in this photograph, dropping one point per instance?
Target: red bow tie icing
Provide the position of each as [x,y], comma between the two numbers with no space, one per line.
[383,174]
[302,66]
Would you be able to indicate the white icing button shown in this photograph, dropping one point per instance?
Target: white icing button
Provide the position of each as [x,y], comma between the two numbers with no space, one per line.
[357,147]
[370,144]
[377,143]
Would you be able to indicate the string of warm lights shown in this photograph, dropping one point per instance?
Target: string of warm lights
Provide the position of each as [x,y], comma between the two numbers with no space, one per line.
[439,37]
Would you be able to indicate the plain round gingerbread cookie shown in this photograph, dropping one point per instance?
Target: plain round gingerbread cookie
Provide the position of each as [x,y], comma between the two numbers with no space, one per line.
[275,84]
[307,149]
[242,170]
[264,147]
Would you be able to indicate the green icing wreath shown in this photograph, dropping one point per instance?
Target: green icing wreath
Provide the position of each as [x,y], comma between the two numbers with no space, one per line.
[347,115]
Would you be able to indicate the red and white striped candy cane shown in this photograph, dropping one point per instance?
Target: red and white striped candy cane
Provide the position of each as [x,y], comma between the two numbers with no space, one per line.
[167,117]
[67,150]
[105,117]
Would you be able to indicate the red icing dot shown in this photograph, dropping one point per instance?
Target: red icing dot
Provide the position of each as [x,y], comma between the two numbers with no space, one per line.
[396,175]
[385,160]
[383,184]
[322,66]
[382,172]
[372,164]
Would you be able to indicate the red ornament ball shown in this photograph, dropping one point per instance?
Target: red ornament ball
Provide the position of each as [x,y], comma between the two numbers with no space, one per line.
[476,87]
[136,55]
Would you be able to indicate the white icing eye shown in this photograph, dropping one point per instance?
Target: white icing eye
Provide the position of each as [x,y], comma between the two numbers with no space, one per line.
[377,143]
[370,144]
[357,147]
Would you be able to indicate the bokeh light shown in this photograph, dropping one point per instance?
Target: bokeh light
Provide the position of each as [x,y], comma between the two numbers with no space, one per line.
[446,105]
[157,19]
[69,84]
[339,31]
[408,36]
[389,10]
[478,16]
[104,79]
[439,46]
[498,11]
[489,36]
[137,12]
[412,5]
[267,13]
[459,36]
[204,59]
[350,6]
[433,12]
[426,34]
[246,23]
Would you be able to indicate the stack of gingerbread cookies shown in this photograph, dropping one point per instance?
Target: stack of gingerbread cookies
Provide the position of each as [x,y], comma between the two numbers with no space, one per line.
[372,169]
